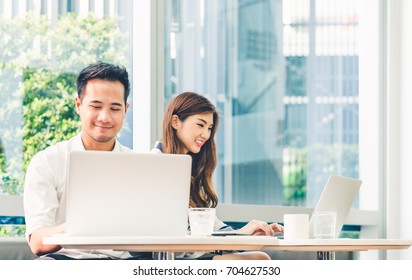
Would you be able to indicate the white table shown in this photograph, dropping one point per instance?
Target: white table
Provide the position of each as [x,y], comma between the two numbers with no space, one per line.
[326,248]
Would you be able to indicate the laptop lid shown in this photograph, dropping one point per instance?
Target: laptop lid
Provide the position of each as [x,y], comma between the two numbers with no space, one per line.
[127,194]
[337,195]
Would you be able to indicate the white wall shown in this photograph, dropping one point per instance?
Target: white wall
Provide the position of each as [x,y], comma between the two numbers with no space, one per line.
[405,83]
[399,190]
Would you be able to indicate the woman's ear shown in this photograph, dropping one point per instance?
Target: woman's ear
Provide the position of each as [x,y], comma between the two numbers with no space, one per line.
[175,122]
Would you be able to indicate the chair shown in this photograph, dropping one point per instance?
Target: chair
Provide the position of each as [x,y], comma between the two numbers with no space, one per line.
[12,214]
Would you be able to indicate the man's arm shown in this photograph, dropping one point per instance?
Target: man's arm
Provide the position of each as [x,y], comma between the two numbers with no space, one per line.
[42,202]
[36,240]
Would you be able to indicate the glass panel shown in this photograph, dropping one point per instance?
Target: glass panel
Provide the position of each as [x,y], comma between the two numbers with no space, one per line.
[284,76]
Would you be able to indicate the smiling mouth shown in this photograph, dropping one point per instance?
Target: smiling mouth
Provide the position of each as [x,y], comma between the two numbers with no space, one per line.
[103,127]
[199,143]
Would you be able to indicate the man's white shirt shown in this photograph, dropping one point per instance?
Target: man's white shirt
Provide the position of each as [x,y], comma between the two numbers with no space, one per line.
[45,192]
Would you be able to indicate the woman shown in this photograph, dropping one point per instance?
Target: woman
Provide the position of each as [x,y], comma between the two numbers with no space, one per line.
[189,126]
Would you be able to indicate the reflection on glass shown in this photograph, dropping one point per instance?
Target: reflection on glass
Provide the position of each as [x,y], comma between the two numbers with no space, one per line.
[284,75]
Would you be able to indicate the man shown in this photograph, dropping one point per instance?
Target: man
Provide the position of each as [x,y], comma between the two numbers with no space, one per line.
[101,102]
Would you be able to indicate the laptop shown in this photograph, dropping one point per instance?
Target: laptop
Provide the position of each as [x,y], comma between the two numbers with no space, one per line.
[338,195]
[127,194]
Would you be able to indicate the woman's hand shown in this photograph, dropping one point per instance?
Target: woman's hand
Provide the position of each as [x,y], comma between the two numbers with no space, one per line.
[255,227]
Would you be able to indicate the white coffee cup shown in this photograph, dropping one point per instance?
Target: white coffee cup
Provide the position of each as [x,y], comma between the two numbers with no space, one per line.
[202,221]
[296,226]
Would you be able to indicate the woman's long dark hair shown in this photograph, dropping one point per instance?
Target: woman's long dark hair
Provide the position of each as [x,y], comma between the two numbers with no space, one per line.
[184,105]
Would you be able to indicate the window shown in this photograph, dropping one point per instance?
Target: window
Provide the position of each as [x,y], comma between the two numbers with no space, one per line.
[285,76]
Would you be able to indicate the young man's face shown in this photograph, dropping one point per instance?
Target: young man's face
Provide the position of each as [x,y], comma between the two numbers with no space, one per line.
[102,111]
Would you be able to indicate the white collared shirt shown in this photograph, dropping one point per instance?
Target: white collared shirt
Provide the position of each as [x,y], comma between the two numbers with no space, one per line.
[45,193]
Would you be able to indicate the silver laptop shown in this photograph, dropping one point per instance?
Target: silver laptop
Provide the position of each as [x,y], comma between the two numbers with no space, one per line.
[338,195]
[127,194]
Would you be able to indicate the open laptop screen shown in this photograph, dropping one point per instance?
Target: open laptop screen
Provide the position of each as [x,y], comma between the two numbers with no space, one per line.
[127,194]
[338,195]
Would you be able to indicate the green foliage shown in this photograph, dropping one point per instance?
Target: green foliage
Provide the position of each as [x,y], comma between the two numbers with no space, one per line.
[12,230]
[48,120]
[48,113]
[19,40]
[294,177]
[2,157]
[79,42]
[325,160]
[337,159]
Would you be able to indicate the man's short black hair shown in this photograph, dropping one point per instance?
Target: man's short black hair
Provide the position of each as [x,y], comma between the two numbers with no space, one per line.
[104,71]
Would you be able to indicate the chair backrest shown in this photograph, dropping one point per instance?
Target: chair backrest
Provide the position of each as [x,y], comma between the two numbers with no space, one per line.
[11,209]
[12,214]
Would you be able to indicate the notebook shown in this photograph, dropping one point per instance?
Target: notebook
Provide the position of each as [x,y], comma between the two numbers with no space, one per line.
[338,195]
[127,194]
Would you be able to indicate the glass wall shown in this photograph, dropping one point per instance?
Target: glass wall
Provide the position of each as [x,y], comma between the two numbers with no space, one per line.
[285,78]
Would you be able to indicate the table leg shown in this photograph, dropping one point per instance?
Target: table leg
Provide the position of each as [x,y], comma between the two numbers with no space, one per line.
[166,256]
[326,255]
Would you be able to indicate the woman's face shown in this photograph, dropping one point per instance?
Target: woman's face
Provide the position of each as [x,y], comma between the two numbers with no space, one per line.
[194,131]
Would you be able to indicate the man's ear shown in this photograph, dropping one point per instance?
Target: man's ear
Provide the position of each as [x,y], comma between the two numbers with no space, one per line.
[78,103]
[175,122]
